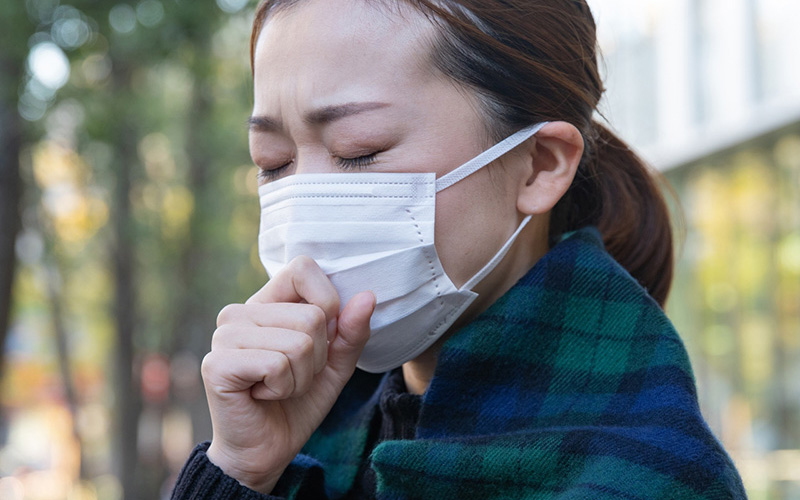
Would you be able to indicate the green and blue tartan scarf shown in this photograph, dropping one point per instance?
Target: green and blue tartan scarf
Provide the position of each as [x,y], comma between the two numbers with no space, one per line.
[574,385]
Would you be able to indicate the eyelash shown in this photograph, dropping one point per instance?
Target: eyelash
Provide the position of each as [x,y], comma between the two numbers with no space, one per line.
[357,163]
[269,175]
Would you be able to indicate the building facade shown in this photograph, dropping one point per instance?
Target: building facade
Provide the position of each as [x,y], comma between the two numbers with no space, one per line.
[709,92]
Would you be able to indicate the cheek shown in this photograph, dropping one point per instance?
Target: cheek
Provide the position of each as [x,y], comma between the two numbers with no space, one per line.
[474,217]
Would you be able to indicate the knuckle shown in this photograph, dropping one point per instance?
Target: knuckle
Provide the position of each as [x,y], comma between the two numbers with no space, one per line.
[279,367]
[207,365]
[280,377]
[227,313]
[219,337]
[315,319]
[303,264]
[305,346]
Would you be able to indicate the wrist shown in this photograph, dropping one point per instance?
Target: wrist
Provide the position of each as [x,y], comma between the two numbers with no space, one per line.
[236,468]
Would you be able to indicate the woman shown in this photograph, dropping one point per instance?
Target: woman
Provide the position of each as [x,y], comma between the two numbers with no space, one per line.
[512,298]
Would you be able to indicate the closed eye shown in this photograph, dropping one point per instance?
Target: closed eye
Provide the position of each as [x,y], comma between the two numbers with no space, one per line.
[356,163]
[270,174]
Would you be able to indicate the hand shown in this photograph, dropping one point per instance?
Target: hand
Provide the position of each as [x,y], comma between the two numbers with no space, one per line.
[277,365]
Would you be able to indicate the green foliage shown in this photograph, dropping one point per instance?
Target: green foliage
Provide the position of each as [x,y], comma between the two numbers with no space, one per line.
[144,146]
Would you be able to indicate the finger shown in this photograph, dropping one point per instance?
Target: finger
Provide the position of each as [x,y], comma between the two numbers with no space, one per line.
[301,317]
[352,333]
[306,318]
[301,280]
[301,348]
[233,371]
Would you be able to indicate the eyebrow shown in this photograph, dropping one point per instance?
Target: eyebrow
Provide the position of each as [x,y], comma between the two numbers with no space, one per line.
[330,114]
[263,124]
[321,116]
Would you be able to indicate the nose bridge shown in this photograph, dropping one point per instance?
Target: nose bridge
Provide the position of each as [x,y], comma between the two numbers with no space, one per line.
[312,157]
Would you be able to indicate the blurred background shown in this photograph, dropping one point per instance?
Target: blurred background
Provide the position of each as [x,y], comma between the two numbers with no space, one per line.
[128,218]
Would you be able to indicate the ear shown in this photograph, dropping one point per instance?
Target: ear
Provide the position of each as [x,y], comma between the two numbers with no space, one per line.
[552,161]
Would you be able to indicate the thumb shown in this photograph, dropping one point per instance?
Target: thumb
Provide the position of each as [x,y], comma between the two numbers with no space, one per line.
[352,333]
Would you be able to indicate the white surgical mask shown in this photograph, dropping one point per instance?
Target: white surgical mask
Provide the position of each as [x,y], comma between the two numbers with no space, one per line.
[374,231]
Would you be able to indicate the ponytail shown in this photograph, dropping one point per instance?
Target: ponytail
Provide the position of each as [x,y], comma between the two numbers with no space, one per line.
[621,195]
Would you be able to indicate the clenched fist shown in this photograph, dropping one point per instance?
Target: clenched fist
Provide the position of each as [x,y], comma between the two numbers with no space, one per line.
[277,365]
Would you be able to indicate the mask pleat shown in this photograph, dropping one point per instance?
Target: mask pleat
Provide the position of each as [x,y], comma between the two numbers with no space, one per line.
[316,239]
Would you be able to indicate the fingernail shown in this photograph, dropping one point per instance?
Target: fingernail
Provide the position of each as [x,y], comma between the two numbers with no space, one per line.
[331,329]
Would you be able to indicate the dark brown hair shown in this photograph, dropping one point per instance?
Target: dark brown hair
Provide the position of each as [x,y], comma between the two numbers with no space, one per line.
[530,61]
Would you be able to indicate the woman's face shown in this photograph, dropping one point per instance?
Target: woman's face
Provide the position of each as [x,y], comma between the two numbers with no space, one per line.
[342,85]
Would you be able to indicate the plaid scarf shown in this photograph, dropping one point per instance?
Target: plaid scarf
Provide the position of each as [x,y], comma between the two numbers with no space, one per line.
[573,385]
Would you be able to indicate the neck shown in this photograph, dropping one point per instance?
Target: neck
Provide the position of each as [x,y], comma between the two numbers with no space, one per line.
[418,372]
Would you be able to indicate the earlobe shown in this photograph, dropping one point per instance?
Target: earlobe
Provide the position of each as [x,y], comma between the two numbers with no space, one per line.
[553,158]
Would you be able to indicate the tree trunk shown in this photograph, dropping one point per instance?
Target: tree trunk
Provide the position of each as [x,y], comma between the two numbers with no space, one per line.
[10,194]
[195,322]
[64,357]
[127,390]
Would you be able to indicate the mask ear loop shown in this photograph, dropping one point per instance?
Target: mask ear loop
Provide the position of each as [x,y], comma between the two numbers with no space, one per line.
[487,156]
[496,259]
[473,166]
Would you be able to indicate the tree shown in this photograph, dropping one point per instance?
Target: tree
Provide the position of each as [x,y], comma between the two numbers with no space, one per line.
[14,26]
[147,79]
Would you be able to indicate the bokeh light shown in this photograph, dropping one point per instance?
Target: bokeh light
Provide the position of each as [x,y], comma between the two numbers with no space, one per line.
[150,12]
[231,6]
[122,18]
[49,65]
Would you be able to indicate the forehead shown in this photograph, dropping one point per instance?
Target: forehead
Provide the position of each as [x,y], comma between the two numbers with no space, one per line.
[317,49]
